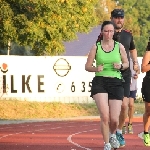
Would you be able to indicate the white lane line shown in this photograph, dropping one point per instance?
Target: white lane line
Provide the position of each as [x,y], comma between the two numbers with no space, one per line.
[30,125]
[4,136]
[70,137]
[76,144]
[9,135]
[32,131]
[6,128]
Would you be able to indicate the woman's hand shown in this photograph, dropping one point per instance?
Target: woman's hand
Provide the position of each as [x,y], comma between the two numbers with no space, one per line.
[117,66]
[100,68]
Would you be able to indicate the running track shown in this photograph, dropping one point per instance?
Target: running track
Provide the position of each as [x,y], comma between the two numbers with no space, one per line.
[72,134]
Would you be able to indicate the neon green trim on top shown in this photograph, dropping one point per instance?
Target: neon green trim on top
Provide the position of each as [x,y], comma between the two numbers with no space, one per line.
[107,59]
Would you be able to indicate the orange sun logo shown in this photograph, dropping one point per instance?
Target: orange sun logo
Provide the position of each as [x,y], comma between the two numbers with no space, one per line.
[4,67]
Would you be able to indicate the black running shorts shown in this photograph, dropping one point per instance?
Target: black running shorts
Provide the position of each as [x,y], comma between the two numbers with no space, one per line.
[112,86]
[146,89]
[127,81]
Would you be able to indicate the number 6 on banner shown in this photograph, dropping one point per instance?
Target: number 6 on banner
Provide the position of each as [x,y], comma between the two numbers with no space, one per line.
[72,87]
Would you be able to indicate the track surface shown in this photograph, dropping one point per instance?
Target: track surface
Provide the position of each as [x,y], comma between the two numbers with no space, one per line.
[76,134]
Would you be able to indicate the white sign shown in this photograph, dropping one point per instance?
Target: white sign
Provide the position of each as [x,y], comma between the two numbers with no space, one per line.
[57,78]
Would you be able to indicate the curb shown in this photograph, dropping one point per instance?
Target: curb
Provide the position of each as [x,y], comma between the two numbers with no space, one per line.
[4,121]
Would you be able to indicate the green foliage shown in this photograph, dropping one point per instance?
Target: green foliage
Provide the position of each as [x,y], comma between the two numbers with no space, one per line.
[137,19]
[44,24]
[141,44]
[18,50]
[103,9]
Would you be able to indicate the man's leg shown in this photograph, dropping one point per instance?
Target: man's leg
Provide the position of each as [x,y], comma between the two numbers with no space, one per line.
[124,109]
[131,109]
[123,113]
[130,114]
[122,117]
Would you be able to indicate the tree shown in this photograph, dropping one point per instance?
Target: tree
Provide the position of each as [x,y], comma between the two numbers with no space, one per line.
[141,44]
[137,19]
[44,24]
[103,9]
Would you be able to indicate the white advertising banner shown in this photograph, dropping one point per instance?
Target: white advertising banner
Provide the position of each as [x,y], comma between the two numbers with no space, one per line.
[57,78]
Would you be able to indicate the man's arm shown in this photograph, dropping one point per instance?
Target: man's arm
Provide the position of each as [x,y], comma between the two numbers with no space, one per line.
[133,54]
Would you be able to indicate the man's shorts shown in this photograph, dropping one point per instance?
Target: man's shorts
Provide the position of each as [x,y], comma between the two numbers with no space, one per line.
[112,86]
[133,94]
[126,83]
[146,89]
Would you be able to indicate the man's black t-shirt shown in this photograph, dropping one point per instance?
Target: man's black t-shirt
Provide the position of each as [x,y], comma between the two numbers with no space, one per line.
[126,39]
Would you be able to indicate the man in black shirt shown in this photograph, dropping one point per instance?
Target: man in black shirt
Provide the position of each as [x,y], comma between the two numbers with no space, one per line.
[126,39]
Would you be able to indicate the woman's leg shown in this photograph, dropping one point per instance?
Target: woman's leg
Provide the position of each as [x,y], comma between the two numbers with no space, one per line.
[146,117]
[101,100]
[146,123]
[115,108]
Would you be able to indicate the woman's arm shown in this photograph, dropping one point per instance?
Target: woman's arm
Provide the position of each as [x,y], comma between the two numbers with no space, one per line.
[125,62]
[145,66]
[91,56]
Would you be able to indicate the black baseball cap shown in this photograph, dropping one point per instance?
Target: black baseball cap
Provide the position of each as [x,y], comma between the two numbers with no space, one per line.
[117,13]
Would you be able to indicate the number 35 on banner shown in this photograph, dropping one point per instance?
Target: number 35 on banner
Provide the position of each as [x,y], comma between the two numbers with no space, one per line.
[84,87]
